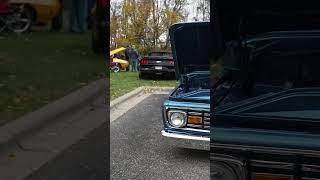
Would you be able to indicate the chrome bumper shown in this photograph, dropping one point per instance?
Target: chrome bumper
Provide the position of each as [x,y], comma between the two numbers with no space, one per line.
[187,141]
[181,136]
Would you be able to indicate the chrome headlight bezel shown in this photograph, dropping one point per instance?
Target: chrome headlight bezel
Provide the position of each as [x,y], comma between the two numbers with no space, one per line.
[223,164]
[182,113]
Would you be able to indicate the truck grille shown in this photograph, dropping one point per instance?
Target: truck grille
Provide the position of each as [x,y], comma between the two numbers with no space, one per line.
[205,123]
[294,169]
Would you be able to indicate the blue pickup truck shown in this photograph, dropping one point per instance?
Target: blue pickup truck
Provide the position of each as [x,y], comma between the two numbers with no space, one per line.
[265,103]
[186,112]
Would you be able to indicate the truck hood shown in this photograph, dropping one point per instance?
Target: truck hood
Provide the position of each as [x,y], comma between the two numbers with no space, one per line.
[294,110]
[190,47]
[235,19]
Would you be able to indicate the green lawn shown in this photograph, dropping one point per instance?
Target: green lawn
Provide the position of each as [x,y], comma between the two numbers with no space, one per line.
[124,82]
[40,67]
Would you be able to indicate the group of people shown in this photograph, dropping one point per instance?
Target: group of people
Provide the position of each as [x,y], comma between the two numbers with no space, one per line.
[132,56]
[79,16]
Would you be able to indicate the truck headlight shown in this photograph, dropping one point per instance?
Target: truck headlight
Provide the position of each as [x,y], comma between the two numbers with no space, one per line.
[224,167]
[222,171]
[177,118]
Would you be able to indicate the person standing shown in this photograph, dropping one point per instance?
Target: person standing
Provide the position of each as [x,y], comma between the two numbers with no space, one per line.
[79,16]
[133,57]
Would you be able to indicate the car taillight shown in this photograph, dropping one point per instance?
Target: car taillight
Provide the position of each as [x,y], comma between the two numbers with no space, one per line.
[104,3]
[144,61]
[171,61]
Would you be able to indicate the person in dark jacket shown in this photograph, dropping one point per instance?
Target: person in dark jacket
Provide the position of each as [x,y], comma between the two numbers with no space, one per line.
[133,58]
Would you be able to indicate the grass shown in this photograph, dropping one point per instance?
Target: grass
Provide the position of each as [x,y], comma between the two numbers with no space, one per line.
[124,82]
[39,67]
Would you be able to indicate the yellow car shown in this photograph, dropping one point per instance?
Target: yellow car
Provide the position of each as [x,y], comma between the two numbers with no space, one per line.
[122,64]
[42,11]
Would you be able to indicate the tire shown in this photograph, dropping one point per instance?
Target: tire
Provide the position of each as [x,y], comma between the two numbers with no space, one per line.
[116,68]
[26,20]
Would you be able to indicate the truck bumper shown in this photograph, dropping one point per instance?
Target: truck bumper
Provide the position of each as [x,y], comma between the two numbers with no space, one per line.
[187,141]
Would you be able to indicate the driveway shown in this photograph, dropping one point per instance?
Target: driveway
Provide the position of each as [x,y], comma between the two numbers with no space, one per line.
[139,151]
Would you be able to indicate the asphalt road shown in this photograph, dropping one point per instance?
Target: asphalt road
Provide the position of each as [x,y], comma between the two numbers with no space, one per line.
[137,151]
[86,160]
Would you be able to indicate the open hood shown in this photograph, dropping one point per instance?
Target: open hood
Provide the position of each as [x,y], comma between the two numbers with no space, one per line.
[117,51]
[235,19]
[190,47]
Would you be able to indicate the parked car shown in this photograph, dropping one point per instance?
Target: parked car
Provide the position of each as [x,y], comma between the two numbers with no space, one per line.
[156,63]
[116,63]
[41,12]
[14,18]
[100,25]
[186,112]
[266,106]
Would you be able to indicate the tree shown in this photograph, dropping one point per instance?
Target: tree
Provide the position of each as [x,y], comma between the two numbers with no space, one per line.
[203,10]
[144,23]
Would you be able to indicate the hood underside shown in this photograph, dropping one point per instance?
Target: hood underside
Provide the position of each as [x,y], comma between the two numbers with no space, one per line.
[236,19]
[190,47]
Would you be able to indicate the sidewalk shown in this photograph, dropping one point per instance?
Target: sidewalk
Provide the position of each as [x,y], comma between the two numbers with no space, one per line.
[23,156]
[50,131]
[50,112]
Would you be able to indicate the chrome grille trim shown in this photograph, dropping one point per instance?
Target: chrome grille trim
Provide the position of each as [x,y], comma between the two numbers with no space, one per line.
[195,126]
[272,164]
[194,113]
[205,119]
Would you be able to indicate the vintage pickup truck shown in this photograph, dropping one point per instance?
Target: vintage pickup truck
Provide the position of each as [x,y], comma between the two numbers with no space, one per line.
[265,104]
[186,112]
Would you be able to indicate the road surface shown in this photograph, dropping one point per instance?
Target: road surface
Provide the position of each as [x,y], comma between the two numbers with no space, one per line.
[137,151]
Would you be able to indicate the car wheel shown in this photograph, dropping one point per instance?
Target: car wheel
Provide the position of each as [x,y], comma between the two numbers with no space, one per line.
[116,67]
[24,22]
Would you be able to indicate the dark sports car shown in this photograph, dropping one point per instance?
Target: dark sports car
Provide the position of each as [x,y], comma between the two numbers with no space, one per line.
[157,63]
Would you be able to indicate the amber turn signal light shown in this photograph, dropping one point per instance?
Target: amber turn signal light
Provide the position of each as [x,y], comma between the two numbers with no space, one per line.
[194,120]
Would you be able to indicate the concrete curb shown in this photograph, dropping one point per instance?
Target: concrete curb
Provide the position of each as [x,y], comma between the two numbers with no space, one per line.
[140,90]
[49,112]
